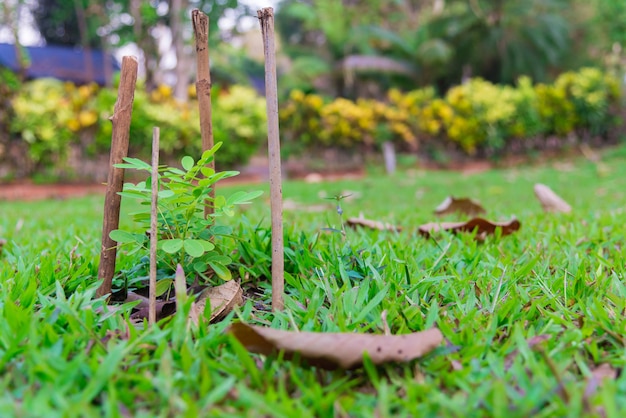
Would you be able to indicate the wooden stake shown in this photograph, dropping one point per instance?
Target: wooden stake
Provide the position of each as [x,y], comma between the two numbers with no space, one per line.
[119,149]
[266,17]
[154,237]
[203,88]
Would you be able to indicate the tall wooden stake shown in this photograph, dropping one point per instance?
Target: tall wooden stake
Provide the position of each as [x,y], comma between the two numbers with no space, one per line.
[154,237]
[203,87]
[266,17]
[119,149]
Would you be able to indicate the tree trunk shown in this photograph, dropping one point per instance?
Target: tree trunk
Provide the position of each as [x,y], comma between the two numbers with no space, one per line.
[182,62]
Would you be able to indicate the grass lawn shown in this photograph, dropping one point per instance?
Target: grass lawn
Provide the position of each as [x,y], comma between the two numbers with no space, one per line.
[527,317]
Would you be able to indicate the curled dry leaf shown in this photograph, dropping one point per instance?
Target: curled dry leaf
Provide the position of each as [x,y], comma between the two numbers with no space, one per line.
[463,205]
[549,200]
[532,342]
[222,300]
[600,373]
[483,227]
[336,350]
[2,243]
[368,223]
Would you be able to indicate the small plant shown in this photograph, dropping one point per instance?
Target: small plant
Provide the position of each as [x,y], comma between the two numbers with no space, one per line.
[186,237]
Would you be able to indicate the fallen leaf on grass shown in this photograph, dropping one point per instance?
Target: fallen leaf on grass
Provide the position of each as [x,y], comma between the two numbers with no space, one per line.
[549,200]
[2,243]
[483,227]
[599,374]
[532,342]
[368,223]
[463,205]
[164,308]
[336,350]
[222,299]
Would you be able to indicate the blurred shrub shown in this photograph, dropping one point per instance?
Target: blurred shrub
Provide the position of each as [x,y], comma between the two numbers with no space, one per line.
[477,116]
[51,116]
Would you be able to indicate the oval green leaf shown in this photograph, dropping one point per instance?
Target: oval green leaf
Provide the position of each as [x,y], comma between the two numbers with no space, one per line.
[172,246]
[193,247]
[163,286]
[122,237]
[221,271]
[187,162]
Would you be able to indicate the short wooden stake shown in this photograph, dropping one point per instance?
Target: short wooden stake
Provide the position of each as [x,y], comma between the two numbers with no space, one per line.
[266,17]
[203,87]
[119,149]
[154,234]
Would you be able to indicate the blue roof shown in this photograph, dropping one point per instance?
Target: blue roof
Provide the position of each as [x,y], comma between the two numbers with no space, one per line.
[63,63]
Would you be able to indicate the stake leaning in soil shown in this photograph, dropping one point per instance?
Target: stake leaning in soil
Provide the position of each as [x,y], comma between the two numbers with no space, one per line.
[119,149]
[154,238]
[266,17]
[203,88]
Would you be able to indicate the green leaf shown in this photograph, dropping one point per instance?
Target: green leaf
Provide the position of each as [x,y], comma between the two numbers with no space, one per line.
[163,286]
[221,230]
[134,195]
[206,245]
[193,247]
[172,246]
[200,266]
[221,271]
[210,152]
[187,162]
[122,237]
[135,164]
[219,202]
[164,194]
[207,171]
[219,259]
[243,198]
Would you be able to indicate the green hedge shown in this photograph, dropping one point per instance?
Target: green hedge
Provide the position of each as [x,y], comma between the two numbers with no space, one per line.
[51,116]
[477,116]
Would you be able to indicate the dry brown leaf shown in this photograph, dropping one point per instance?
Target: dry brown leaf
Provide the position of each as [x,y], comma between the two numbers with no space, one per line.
[336,350]
[222,300]
[463,205]
[164,308]
[532,342]
[483,227]
[2,244]
[600,373]
[368,223]
[549,200]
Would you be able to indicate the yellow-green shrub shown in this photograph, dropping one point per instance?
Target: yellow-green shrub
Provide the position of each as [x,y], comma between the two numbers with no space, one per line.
[476,115]
[51,115]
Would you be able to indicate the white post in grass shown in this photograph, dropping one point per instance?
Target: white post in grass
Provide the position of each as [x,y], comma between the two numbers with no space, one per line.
[153,226]
[266,17]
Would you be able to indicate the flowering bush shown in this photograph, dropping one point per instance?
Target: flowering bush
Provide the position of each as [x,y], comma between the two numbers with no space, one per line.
[472,117]
[51,116]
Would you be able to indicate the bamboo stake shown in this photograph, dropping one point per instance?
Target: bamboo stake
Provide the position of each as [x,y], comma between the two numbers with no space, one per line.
[203,88]
[119,149]
[266,17]
[153,226]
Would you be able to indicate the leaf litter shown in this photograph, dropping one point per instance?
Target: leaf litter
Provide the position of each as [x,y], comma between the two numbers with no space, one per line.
[482,227]
[336,350]
[550,201]
[221,299]
[464,205]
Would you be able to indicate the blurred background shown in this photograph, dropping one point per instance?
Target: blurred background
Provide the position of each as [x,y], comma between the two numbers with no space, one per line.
[437,81]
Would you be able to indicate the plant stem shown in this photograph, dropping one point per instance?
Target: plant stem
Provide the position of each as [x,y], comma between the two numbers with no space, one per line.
[266,17]
[153,226]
